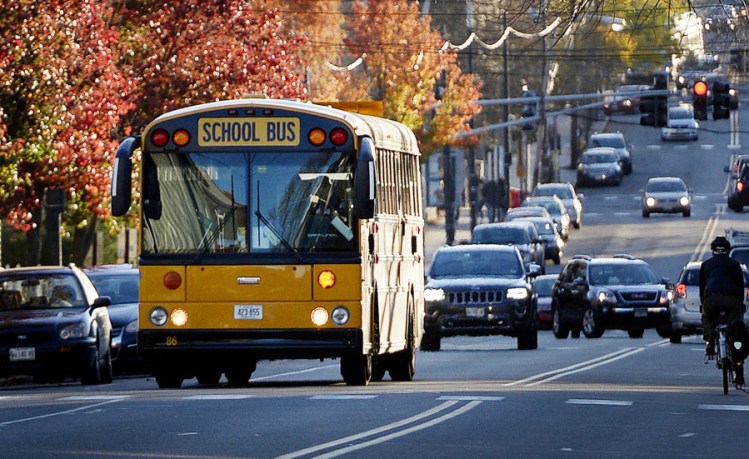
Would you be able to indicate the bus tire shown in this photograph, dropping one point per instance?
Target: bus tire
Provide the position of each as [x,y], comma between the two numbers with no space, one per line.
[168,376]
[239,375]
[379,367]
[403,363]
[356,369]
[208,377]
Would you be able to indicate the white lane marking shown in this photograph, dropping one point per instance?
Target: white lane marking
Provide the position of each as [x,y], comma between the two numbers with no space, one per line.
[586,401]
[217,397]
[468,398]
[94,397]
[58,413]
[724,407]
[417,417]
[582,366]
[339,452]
[299,372]
[342,397]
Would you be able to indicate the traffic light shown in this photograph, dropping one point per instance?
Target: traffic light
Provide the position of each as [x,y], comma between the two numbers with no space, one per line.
[699,100]
[654,108]
[721,100]
[529,109]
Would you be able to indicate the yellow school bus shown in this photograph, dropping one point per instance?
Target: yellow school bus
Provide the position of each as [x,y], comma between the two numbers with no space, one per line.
[276,229]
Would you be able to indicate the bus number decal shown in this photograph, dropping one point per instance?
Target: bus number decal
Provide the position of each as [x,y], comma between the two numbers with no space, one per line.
[237,132]
[171,340]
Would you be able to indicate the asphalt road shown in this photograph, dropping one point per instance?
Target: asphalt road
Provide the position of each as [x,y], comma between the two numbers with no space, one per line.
[478,397]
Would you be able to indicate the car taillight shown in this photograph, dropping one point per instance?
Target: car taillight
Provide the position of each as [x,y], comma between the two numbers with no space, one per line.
[681,291]
[739,186]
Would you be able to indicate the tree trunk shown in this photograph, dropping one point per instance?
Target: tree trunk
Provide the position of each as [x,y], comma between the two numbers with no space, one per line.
[83,239]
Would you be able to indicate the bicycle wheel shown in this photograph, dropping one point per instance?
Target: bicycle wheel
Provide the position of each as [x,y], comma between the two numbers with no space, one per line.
[726,367]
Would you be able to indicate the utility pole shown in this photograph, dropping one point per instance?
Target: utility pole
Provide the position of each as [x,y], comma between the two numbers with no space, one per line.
[473,180]
[508,155]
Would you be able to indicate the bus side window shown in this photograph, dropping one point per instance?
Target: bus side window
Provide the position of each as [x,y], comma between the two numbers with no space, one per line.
[151,191]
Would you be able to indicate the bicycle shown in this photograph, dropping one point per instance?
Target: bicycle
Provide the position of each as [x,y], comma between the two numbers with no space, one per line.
[723,355]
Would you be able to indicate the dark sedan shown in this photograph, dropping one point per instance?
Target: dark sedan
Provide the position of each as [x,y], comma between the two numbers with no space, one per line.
[54,324]
[599,165]
[479,290]
[120,283]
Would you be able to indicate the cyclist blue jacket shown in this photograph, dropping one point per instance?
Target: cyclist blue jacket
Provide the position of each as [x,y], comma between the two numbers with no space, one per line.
[721,275]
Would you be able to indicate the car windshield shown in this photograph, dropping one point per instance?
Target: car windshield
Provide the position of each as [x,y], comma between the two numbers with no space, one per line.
[607,141]
[596,158]
[122,288]
[679,114]
[39,291]
[551,206]
[475,263]
[543,286]
[544,227]
[665,186]
[560,192]
[502,235]
[623,274]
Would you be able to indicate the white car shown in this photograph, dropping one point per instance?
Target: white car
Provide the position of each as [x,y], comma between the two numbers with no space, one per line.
[666,195]
[681,124]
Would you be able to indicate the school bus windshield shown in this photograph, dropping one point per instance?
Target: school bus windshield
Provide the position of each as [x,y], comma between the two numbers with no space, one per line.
[228,203]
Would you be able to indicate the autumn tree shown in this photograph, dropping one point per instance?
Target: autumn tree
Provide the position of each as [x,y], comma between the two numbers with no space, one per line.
[62,95]
[181,53]
[403,65]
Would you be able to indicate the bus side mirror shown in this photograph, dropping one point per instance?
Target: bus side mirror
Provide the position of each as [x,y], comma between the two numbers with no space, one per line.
[364,181]
[122,176]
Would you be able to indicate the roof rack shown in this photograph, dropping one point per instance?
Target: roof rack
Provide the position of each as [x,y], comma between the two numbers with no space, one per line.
[581,257]
[624,255]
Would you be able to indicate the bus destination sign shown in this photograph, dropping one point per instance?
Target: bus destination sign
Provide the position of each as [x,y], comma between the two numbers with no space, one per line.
[239,132]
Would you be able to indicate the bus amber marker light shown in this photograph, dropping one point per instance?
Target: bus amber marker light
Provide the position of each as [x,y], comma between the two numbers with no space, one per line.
[326,279]
[316,136]
[181,137]
[172,280]
[319,316]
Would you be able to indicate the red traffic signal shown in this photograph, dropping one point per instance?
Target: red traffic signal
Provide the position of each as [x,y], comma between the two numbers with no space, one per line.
[700,88]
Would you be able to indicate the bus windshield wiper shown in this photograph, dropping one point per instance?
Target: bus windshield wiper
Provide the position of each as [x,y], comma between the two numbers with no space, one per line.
[280,237]
[208,242]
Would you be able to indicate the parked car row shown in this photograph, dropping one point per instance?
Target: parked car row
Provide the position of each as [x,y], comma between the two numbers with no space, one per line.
[59,322]
[738,182]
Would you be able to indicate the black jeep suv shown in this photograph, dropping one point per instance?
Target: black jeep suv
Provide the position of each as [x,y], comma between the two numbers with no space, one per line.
[617,292]
[479,289]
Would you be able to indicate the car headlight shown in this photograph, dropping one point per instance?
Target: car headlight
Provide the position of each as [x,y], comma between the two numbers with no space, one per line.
[132,327]
[74,331]
[650,201]
[517,293]
[684,200]
[434,294]
[605,296]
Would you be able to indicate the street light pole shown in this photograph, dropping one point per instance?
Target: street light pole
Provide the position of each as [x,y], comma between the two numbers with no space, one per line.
[473,180]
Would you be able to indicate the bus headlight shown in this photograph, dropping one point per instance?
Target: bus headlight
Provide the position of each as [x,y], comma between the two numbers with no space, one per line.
[319,316]
[159,316]
[340,315]
[179,317]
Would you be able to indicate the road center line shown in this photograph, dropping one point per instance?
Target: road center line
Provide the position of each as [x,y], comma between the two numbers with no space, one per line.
[49,415]
[571,367]
[589,367]
[369,433]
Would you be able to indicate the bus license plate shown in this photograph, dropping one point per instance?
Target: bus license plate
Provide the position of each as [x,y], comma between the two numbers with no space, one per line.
[641,312]
[475,312]
[22,353]
[248,311]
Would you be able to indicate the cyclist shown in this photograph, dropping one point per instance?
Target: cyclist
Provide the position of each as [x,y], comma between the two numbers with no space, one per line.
[721,288]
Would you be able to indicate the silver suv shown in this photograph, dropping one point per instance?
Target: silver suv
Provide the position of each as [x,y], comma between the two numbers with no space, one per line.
[566,192]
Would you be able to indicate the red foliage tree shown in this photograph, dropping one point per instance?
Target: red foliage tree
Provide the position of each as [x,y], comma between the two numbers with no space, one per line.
[62,95]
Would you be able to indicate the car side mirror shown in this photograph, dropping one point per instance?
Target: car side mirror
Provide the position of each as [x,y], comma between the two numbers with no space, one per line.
[534,269]
[101,302]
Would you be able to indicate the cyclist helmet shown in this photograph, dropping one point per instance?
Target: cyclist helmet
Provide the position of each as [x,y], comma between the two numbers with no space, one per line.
[720,245]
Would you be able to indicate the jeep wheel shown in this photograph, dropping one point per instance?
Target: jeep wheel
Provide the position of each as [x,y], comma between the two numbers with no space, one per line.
[430,341]
[528,339]
[675,338]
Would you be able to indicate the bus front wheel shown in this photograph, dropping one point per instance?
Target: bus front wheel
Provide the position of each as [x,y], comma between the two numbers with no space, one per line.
[356,369]
[168,376]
